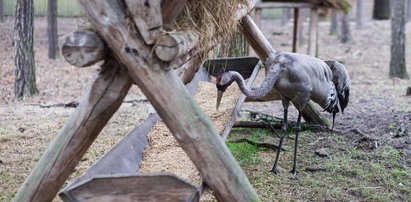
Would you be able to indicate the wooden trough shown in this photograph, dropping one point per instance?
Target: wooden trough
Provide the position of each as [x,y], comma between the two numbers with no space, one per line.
[115,175]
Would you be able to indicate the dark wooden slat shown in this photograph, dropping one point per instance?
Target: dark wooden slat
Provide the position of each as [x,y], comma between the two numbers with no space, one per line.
[285,5]
[242,65]
[295,28]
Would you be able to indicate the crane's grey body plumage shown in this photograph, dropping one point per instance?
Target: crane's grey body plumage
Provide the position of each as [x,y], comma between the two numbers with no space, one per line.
[297,78]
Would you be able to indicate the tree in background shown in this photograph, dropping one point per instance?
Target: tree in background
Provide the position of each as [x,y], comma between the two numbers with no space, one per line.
[25,83]
[409,10]
[345,29]
[52,28]
[382,10]
[335,16]
[397,63]
[285,16]
[359,14]
[1,11]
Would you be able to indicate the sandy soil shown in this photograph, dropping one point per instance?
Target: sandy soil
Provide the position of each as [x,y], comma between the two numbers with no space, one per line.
[377,107]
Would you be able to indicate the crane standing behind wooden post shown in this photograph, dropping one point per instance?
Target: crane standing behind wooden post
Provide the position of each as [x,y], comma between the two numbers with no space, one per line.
[263,49]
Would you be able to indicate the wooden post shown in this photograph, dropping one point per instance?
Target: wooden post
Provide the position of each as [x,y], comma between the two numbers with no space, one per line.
[257,17]
[174,45]
[312,40]
[83,48]
[359,14]
[263,49]
[192,129]
[171,10]
[295,28]
[147,17]
[80,130]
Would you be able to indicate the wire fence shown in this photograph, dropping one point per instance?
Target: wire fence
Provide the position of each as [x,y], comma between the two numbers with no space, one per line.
[65,8]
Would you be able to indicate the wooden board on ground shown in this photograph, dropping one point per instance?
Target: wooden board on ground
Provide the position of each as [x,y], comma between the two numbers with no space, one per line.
[139,187]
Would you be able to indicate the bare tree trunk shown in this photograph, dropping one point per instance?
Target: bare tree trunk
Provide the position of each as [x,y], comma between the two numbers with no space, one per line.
[345,29]
[25,83]
[52,27]
[382,10]
[408,10]
[285,17]
[397,63]
[335,15]
[300,35]
[1,11]
[359,13]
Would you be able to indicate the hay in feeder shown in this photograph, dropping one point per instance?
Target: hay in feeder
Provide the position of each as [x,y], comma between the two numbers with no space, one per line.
[214,21]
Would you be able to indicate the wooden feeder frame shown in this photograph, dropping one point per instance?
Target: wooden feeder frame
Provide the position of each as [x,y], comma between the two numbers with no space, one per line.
[128,61]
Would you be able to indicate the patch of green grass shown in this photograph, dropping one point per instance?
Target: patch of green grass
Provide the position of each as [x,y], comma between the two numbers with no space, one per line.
[245,153]
[351,174]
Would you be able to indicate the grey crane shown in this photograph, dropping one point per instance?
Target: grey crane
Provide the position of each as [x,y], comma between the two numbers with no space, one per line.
[297,78]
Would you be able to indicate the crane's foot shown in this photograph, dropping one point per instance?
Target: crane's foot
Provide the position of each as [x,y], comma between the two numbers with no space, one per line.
[275,171]
[294,171]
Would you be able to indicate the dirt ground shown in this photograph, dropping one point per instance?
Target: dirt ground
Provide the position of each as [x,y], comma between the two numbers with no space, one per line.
[378,108]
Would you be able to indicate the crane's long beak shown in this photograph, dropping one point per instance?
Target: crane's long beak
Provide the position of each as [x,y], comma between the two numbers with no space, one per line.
[219,96]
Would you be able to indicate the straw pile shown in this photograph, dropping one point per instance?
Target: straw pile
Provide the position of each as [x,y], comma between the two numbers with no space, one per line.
[164,153]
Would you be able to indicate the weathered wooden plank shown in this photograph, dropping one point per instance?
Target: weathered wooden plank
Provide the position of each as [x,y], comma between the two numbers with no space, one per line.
[240,102]
[137,187]
[173,45]
[313,32]
[284,5]
[147,17]
[83,48]
[102,101]
[190,126]
[171,10]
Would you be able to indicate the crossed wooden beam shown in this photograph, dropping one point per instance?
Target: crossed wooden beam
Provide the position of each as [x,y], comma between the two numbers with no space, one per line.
[129,60]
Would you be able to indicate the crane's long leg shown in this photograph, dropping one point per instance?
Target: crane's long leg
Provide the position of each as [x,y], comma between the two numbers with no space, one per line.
[297,131]
[284,130]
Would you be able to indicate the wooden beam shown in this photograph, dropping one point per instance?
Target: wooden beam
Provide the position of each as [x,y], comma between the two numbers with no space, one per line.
[192,129]
[295,28]
[255,38]
[312,39]
[147,17]
[102,101]
[83,48]
[174,45]
[284,5]
[171,10]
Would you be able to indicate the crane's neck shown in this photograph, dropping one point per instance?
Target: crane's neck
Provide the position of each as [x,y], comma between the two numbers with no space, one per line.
[271,77]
